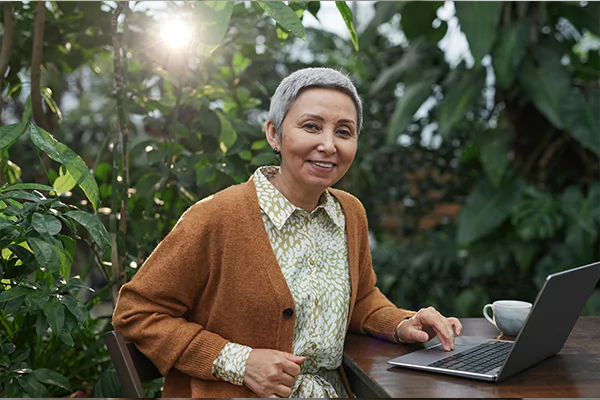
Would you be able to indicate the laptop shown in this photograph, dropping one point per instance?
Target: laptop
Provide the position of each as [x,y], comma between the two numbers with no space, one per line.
[545,331]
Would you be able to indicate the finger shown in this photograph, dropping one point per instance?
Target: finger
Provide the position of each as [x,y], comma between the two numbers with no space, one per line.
[291,368]
[288,380]
[273,396]
[283,391]
[294,358]
[415,335]
[455,322]
[445,332]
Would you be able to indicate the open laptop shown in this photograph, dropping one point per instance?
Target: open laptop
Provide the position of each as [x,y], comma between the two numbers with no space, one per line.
[546,329]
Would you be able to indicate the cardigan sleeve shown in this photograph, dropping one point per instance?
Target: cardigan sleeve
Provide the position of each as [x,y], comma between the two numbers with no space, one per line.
[153,307]
[373,313]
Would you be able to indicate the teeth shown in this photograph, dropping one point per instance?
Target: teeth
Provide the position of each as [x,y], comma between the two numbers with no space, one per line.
[324,165]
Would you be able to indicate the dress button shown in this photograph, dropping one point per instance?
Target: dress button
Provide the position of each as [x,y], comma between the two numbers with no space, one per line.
[288,312]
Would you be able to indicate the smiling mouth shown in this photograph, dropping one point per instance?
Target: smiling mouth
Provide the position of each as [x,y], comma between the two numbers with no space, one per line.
[323,164]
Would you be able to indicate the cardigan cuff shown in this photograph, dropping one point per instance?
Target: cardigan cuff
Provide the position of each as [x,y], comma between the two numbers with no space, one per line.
[385,322]
[198,357]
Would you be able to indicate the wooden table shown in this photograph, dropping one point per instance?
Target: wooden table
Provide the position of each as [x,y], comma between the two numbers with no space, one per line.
[573,372]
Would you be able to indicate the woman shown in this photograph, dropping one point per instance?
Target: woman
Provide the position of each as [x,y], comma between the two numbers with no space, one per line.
[253,291]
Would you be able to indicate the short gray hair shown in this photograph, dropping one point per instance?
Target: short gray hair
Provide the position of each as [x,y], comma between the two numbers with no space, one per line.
[291,86]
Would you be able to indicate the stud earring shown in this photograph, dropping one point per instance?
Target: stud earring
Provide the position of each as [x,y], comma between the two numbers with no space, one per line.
[276,151]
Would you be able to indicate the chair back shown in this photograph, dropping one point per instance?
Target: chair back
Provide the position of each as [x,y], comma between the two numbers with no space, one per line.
[133,367]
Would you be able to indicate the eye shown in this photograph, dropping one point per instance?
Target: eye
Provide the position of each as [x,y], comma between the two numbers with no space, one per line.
[310,127]
[344,132]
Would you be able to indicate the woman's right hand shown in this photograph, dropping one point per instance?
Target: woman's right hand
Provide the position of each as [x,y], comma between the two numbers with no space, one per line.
[272,373]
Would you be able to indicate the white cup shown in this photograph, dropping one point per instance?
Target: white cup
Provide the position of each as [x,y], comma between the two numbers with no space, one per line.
[508,315]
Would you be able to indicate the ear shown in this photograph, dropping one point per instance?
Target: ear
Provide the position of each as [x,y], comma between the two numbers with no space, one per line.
[271,134]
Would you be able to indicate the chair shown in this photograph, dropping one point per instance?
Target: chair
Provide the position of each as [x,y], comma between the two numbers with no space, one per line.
[133,367]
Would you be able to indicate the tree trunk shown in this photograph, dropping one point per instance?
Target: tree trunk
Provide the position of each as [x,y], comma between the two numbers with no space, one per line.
[36,64]
[7,39]
[120,179]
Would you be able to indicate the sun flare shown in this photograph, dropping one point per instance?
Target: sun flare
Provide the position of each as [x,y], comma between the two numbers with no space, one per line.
[176,33]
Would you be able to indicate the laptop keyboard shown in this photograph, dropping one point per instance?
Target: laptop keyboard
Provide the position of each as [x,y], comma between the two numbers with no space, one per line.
[479,359]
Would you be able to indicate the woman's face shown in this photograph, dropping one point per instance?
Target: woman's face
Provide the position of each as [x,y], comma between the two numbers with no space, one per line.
[319,139]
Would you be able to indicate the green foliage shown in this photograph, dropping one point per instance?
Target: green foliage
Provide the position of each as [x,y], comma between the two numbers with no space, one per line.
[486,209]
[479,22]
[39,313]
[478,180]
[417,21]
[581,117]
[285,17]
[75,167]
[546,82]
[509,52]
[461,94]
[347,16]
[494,145]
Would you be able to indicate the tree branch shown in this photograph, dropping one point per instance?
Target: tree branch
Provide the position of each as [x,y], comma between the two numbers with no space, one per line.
[7,39]
[120,158]
[36,64]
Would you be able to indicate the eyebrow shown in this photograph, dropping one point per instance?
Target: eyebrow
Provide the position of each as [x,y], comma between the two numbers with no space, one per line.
[315,116]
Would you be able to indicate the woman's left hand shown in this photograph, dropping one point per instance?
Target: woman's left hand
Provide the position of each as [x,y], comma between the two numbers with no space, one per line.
[427,324]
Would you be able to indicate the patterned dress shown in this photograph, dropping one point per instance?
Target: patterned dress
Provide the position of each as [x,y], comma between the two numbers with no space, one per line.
[311,250]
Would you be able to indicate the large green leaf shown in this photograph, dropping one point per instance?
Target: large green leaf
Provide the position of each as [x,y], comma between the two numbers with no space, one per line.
[536,215]
[20,194]
[76,308]
[228,134]
[50,377]
[32,387]
[583,211]
[29,265]
[76,284]
[14,293]
[212,23]
[458,99]
[486,209]
[415,93]
[28,186]
[509,52]
[284,16]
[45,254]
[582,224]
[346,13]
[64,182]
[582,117]
[10,133]
[94,227]
[416,58]
[108,384]
[417,19]
[74,164]
[494,145]
[55,313]
[547,83]
[41,325]
[45,224]
[144,187]
[478,21]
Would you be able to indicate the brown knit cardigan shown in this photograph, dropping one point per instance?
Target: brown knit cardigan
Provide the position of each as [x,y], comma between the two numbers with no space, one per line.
[215,279]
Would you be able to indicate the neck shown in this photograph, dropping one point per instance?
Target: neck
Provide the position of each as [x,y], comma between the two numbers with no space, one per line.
[304,199]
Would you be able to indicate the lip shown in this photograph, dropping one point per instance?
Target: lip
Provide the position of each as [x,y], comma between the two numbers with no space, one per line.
[321,169]
[322,162]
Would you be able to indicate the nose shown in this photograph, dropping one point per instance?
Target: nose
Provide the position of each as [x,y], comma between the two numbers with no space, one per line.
[327,142]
